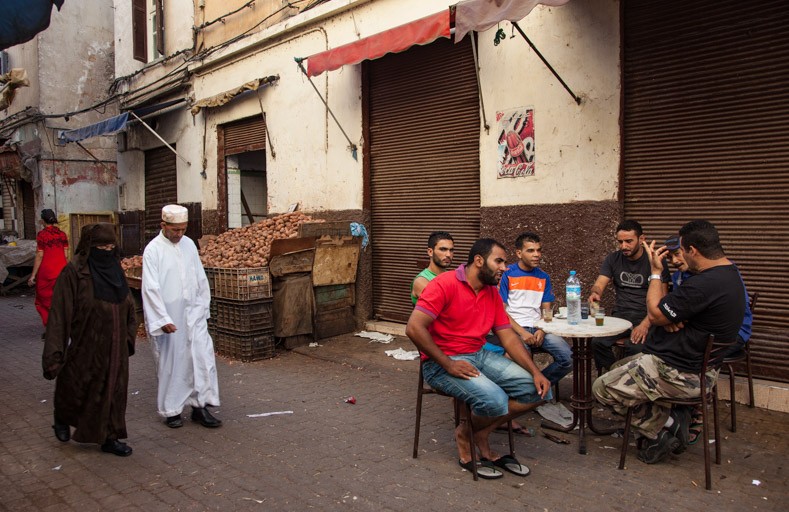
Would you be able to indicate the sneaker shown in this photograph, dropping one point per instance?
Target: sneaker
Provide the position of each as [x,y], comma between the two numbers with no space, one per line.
[680,428]
[658,450]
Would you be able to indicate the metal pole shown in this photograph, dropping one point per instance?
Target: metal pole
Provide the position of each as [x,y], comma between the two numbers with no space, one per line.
[352,146]
[160,138]
[576,98]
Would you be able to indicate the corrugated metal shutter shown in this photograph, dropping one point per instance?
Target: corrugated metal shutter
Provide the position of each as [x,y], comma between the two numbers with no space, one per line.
[706,135]
[245,135]
[424,163]
[161,187]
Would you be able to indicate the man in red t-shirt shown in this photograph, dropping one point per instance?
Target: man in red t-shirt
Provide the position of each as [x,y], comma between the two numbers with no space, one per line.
[453,315]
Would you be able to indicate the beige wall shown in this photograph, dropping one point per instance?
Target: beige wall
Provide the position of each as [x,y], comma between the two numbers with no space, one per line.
[577,146]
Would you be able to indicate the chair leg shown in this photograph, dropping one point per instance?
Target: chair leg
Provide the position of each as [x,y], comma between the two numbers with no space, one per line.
[750,378]
[511,438]
[706,438]
[470,434]
[716,426]
[419,394]
[732,398]
[625,438]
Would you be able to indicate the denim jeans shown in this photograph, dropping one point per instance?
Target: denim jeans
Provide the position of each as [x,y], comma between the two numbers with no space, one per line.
[488,394]
[554,345]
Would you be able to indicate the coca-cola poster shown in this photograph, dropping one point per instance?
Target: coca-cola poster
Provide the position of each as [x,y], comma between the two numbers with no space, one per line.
[516,143]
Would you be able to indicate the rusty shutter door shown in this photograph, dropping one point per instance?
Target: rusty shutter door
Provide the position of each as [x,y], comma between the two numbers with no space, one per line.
[424,163]
[706,135]
[245,135]
[161,180]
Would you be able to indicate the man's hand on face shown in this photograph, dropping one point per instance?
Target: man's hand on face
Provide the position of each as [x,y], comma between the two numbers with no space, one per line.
[462,369]
[169,328]
[656,256]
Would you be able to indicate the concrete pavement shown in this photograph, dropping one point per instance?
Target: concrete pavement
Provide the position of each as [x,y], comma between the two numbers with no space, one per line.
[331,455]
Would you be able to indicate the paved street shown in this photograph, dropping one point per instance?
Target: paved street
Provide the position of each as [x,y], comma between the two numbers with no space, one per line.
[331,455]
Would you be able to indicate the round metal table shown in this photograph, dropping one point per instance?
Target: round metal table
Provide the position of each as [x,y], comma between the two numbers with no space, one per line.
[581,336]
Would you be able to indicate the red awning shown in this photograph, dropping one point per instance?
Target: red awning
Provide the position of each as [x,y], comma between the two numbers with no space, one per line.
[398,39]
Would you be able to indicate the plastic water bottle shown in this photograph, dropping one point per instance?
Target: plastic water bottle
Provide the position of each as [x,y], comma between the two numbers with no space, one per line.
[573,299]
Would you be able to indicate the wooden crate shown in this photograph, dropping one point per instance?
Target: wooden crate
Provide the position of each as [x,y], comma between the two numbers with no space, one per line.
[239,283]
[335,296]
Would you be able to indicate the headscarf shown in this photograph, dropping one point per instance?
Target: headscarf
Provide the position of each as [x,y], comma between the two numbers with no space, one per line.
[109,281]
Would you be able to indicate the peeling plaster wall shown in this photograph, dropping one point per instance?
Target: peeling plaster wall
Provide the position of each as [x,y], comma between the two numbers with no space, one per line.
[82,187]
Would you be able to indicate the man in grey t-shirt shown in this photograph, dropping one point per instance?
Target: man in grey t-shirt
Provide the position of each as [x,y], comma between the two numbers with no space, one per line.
[629,271]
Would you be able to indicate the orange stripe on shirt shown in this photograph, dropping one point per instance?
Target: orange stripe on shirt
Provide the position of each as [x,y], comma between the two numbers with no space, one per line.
[527,283]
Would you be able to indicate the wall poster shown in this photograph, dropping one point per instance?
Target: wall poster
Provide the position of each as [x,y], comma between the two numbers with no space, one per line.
[516,143]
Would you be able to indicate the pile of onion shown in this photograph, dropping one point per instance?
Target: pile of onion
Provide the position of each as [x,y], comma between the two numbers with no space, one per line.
[250,246]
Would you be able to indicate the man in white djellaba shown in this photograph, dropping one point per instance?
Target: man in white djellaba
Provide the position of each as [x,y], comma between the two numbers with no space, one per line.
[176,301]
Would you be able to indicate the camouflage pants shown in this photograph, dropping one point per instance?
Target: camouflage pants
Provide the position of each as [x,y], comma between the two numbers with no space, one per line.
[640,382]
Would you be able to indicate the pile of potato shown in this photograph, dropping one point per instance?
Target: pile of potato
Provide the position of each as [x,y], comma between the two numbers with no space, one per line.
[250,246]
[133,262]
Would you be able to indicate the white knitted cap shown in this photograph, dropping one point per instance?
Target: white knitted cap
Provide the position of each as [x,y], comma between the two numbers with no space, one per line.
[175,214]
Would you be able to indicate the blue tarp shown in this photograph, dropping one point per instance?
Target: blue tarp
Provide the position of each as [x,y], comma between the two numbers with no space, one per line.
[106,127]
[21,20]
[112,124]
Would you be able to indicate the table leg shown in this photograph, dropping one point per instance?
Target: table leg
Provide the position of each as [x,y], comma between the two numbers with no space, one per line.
[581,402]
[575,398]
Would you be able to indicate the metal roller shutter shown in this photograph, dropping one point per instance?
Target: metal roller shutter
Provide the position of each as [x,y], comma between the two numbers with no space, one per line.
[245,135]
[161,187]
[424,163]
[706,135]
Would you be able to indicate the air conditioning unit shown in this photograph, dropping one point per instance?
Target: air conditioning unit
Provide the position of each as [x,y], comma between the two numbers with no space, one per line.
[4,67]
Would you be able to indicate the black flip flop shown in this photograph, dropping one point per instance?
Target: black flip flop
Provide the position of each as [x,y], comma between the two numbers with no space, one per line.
[485,469]
[511,464]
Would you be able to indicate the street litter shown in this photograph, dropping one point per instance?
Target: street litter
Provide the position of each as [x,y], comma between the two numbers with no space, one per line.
[262,414]
[314,344]
[253,499]
[375,336]
[43,401]
[555,439]
[403,355]
[556,413]
[757,482]
[350,400]
[57,468]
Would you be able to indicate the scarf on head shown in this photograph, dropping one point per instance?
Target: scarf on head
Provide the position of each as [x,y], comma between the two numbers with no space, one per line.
[109,282]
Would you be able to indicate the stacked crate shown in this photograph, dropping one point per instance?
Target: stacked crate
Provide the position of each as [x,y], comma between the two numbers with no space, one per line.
[242,322]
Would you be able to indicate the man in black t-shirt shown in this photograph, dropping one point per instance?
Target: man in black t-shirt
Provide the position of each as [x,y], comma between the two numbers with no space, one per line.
[712,301]
[628,270]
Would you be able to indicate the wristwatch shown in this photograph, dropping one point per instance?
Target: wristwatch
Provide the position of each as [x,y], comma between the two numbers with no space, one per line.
[653,276]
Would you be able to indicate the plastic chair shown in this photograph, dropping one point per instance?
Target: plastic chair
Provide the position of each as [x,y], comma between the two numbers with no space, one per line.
[713,359]
[743,355]
[422,390]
